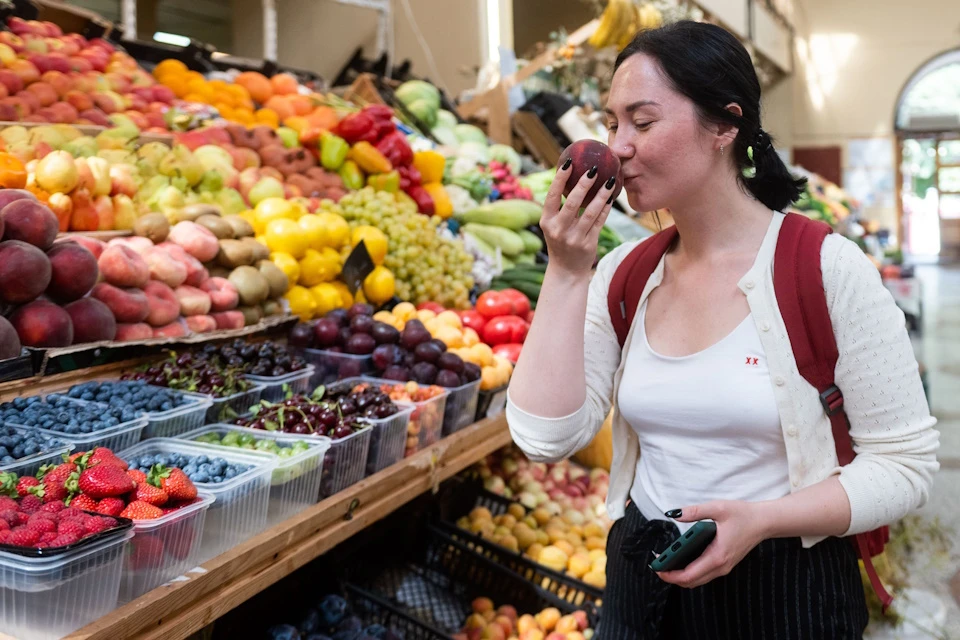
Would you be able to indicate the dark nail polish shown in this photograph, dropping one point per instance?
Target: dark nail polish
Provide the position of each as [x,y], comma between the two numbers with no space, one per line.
[674,513]
[610,199]
[592,172]
[610,182]
[566,165]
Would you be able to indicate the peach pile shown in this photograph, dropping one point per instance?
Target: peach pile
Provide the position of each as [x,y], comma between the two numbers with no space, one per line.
[487,623]
[564,543]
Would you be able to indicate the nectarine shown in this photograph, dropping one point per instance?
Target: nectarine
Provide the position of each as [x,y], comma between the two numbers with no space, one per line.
[41,323]
[24,271]
[92,321]
[74,271]
[585,155]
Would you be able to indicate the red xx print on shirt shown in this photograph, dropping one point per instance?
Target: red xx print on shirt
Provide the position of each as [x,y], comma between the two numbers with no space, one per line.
[753,361]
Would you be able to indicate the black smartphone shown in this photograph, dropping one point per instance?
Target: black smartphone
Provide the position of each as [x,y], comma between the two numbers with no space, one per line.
[686,548]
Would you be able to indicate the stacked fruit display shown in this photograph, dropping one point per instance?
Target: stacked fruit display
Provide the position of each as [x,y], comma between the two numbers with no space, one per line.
[566,542]
[333,617]
[428,264]
[47,76]
[487,623]
[30,523]
[31,265]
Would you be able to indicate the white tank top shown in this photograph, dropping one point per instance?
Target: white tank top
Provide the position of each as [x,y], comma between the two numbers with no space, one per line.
[708,424]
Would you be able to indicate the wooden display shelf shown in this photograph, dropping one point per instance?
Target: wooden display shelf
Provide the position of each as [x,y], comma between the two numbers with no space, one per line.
[178,609]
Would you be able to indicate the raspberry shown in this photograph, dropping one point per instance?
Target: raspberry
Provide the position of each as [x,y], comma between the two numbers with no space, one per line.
[110,522]
[52,507]
[42,525]
[23,537]
[65,539]
[8,503]
[96,525]
[30,504]
[41,545]
[4,536]
[72,526]
[4,525]
[10,516]
[50,536]
[70,512]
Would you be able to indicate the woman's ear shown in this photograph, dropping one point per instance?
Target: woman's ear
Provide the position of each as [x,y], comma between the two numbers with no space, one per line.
[727,132]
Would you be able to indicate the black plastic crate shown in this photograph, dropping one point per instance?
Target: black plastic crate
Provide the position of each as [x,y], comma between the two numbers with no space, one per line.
[462,497]
[373,609]
[437,588]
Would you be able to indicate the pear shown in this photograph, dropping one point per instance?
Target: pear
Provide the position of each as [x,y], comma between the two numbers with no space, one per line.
[180,163]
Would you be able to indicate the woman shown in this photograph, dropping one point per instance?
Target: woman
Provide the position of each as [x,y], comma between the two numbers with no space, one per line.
[697,435]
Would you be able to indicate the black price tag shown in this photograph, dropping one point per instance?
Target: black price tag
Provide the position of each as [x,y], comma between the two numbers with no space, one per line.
[357,267]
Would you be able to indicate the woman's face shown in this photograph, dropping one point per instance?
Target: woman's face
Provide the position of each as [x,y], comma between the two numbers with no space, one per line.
[665,154]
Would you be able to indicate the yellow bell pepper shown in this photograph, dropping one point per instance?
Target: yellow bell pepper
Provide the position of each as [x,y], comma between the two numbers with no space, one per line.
[430,164]
[369,158]
[442,206]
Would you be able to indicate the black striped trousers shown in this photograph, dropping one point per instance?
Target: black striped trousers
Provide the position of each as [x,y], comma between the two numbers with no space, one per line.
[779,591]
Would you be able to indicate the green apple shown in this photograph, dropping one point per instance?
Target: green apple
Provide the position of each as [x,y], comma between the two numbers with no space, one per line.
[289,137]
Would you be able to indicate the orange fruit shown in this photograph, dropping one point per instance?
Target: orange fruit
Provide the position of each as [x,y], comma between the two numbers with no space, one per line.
[178,85]
[195,75]
[281,105]
[256,85]
[302,105]
[268,116]
[284,83]
[168,65]
[244,116]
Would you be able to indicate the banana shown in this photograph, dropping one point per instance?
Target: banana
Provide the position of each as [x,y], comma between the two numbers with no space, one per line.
[611,21]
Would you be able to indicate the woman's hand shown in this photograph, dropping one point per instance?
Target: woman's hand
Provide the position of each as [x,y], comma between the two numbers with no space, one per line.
[572,238]
[740,527]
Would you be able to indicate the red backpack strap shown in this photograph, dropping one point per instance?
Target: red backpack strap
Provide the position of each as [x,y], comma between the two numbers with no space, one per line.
[630,279]
[798,285]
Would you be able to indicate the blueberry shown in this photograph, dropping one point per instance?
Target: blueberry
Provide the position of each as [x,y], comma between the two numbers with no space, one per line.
[200,476]
[217,479]
[190,469]
[202,459]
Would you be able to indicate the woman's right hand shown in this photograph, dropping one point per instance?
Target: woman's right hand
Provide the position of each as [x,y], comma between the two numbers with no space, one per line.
[572,238]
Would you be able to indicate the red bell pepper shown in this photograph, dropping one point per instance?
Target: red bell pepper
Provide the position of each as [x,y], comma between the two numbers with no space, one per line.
[474,320]
[508,350]
[383,128]
[409,178]
[521,303]
[356,127]
[396,148]
[505,329]
[422,198]
[378,112]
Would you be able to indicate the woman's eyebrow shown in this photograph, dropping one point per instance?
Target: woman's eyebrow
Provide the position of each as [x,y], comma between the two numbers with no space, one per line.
[633,106]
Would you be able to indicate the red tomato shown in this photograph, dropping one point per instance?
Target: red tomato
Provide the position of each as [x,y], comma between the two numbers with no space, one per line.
[474,320]
[509,350]
[498,330]
[436,307]
[518,330]
[491,304]
[529,317]
[521,303]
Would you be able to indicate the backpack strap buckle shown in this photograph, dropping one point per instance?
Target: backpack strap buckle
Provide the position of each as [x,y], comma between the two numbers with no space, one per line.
[832,400]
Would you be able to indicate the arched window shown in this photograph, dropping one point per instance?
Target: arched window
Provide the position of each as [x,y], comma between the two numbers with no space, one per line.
[927,123]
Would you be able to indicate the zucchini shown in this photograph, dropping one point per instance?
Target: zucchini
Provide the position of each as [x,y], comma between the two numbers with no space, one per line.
[508,241]
[509,214]
[531,242]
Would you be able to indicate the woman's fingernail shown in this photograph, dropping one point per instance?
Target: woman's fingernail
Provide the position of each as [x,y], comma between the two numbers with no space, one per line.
[566,165]
[610,182]
[610,199]
[674,513]
[592,172]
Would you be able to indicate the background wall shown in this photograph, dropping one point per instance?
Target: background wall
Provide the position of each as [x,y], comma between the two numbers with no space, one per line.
[852,59]
[533,20]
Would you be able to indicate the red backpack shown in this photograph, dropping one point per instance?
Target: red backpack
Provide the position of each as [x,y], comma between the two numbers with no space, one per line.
[798,283]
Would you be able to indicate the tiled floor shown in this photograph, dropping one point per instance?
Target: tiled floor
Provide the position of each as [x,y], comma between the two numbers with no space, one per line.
[939,350]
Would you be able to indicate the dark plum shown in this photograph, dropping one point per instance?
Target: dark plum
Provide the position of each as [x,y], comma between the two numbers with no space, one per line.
[384,333]
[350,368]
[361,344]
[301,335]
[360,309]
[339,316]
[451,362]
[325,331]
[361,324]
[427,352]
[424,373]
[447,378]
[396,372]
[414,333]
[440,344]
[471,371]
[386,355]
[409,360]
[343,336]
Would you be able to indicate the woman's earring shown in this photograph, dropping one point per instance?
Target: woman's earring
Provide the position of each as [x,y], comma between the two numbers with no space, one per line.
[721,150]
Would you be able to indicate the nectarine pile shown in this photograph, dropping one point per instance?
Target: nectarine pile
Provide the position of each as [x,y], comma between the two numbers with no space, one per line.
[503,623]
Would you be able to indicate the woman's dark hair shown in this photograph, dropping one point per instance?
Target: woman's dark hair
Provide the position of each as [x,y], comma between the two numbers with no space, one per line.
[708,65]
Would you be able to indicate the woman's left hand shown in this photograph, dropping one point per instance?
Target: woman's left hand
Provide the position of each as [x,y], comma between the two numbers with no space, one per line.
[740,528]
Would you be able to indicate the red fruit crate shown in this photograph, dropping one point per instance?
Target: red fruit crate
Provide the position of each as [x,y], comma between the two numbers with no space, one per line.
[164,548]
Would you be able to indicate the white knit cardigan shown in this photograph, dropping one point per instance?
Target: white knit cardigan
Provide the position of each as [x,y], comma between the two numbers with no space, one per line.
[892,429]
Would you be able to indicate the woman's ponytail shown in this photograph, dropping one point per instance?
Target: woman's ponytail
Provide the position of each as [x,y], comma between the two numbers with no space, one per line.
[764,173]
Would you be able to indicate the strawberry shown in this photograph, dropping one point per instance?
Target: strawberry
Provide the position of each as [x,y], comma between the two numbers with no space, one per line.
[102,455]
[23,537]
[84,502]
[146,552]
[174,481]
[139,510]
[105,481]
[111,506]
[137,475]
[26,483]
[151,494]
[30,504]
